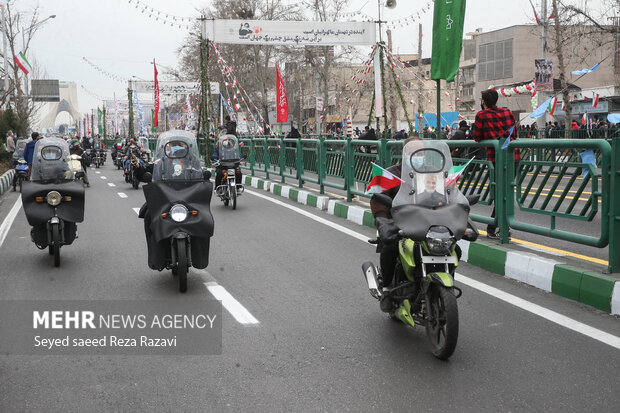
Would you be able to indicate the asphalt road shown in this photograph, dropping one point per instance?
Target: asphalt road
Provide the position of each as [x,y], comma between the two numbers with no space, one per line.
[321,343]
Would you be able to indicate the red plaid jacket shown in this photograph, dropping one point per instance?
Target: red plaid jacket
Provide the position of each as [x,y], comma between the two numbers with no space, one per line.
[493,123]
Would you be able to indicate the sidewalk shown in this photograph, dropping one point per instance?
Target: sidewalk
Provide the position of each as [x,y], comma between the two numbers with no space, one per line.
[562,275]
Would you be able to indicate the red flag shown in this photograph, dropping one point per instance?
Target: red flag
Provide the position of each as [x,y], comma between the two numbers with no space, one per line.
[156,115]
[595,102]
[281,100]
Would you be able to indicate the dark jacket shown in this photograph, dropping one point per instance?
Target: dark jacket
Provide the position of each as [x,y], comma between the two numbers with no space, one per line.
[29,152]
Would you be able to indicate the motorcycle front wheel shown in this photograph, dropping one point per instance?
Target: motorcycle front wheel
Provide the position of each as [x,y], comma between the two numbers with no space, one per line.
[442,327]
[233,195]
[56,244]
[182,264]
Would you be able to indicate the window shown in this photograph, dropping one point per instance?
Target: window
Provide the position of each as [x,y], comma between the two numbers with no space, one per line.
[176,149]
[51,153]
[495,60]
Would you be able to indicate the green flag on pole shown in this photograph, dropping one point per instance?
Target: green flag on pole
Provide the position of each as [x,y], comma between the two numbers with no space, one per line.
[99,119]
[448,19]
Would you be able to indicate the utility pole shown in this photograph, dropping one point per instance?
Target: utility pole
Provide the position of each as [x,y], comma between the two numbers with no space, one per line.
[420,81]
[5,52]
[543,45]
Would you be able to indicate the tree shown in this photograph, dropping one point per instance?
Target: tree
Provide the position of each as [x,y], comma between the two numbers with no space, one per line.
[18,24]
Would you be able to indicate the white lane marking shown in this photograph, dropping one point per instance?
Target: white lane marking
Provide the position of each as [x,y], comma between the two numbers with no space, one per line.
[234,307]
[97,172]
[103,177]
[111,184]
[340,228]
[122,194]
[8,221]
[136,210]
[543,312]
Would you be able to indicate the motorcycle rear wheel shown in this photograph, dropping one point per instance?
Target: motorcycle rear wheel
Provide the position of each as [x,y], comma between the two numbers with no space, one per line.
[442,327]
[182,265]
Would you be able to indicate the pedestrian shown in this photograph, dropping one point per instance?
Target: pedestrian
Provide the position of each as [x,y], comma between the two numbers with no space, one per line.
[29,150]
[493,123]
[461,134]
[10,143]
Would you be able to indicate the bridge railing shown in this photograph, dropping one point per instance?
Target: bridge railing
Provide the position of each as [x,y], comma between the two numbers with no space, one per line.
[549,180]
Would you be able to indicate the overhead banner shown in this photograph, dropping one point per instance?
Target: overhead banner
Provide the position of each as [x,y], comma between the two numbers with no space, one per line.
[310,33]
[171,88]
[543,75]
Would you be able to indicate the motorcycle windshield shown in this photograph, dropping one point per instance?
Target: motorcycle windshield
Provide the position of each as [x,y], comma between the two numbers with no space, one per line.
[144,143]
[176,157]
[229,148]
[428,194]
[20,146]
[50,161]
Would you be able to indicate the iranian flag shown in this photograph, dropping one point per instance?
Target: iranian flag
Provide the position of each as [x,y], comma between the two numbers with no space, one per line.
[382,180]
[552,105]
[458,171]
[23,63]
[595,100]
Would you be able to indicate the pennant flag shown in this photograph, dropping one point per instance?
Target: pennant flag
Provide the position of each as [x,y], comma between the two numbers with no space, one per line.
[382,180]
[595,100]
[584,118]
[458,99]
[588,158]
[22,63]
[539,111]
[538,22]
[281,99]
[458,171]
[552,105]
[507,140]
[584,71]
[448,20]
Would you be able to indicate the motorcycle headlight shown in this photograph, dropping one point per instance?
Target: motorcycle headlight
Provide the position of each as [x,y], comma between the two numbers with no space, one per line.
[53,198]
[439,241]
[178,213]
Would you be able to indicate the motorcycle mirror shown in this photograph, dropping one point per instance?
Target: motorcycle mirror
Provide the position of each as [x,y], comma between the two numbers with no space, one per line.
[206,175]
[147,177]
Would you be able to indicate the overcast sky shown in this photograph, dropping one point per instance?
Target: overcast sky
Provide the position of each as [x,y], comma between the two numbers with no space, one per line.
[117,37]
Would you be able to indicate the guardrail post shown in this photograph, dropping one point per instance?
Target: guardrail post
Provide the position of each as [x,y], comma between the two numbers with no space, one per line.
[282,158]
[252,155]
[266,157]
[501,190]
[382,155]
[321,163]
[299,162]
[349,169]
[614,208]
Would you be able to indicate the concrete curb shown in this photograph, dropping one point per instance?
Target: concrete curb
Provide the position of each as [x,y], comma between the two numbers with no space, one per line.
[294,194]
[6,180]
[596,290]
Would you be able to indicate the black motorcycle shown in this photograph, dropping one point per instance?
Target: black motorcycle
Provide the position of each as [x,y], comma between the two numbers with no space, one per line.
[53,202]
[177,217]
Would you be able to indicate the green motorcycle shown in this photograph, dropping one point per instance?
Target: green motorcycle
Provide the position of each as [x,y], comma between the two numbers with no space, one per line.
[429,215]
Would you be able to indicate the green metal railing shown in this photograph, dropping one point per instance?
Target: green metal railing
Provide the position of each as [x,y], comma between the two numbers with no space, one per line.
[547,181]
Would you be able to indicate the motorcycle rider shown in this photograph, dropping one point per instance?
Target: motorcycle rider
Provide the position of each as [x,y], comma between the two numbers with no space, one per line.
[76,149]
[29,151]
[215,157]
[16,159]
[388,231]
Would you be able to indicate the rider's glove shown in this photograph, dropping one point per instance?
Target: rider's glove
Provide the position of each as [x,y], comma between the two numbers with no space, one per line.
[388,231]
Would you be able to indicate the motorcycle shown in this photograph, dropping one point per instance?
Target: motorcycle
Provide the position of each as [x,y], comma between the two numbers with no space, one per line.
[21,171]
[228,188]
[53,202]
[75,165]
[429,215]
[177,217]
[98,154]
